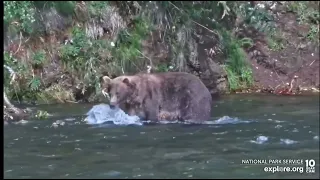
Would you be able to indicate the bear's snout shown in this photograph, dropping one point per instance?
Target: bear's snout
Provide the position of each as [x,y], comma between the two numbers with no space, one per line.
[112,106]
[113,102]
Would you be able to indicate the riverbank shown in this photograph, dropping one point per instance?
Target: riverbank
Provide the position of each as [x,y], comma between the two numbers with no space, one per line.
[60,50]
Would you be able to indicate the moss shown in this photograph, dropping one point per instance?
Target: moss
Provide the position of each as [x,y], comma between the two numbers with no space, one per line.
[65,8]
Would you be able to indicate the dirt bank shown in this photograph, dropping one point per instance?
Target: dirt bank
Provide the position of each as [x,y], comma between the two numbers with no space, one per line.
[297,58]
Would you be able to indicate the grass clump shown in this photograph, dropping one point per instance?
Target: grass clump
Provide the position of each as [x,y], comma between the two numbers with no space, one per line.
[82,57]
[256,17]
[307,14]
[95,8]
[65,8]
[41,115]
[275,41]
[23,86]
[129,44]
[19,15]
[238,70]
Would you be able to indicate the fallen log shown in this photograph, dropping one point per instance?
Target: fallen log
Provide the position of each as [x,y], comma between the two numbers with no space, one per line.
[10,112]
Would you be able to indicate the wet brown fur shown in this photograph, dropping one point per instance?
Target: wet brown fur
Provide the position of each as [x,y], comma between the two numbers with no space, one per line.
[161,96]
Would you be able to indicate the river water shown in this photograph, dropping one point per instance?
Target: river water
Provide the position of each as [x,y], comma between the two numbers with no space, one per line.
[244,128]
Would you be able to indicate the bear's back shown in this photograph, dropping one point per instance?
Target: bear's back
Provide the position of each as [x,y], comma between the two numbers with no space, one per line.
[186,94]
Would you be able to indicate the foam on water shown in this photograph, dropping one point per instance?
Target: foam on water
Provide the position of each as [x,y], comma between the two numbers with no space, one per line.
[287,141]
[227,120]
[260,140]
[220,121]
[265,139]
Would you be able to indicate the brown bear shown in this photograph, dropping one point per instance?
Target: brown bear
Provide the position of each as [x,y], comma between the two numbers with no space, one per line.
[160,96]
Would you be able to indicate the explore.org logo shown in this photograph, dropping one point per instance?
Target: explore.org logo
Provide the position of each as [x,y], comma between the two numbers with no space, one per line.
[283,165]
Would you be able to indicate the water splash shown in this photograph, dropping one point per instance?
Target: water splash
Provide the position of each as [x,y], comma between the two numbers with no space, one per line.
[220,121]
[287,141]
[227,120]
[260,140]
[102,113]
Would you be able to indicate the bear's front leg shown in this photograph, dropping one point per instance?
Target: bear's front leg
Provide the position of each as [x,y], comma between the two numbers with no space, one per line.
[128,109]
[151,110]
[135,111]
[131,112]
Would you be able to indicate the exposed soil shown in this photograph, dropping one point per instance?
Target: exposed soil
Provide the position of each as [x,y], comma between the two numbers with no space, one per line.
[273,70]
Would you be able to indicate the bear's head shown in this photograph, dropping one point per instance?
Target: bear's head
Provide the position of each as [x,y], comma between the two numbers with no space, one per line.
[119,89]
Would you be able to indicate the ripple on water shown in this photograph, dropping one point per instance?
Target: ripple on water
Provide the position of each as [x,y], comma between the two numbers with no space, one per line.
[276,121]
[288,141]
[49,156]
[9,170]
[227,120]
[278,126]
[179,155]
[21,122]
[220,133]
[111,173]
[70,119]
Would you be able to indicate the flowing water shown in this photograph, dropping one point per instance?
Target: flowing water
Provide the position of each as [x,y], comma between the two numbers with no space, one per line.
[243,130]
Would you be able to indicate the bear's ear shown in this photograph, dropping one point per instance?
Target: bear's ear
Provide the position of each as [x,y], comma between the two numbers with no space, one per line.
[106,80]
[128,83]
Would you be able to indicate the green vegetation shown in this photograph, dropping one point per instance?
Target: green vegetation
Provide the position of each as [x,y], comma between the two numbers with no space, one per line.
[237,68]
[84,57]
[81,58]
[112,38]
[19,16]
[41,115]
[96,8]
[129,44]
[307,14]
[275,41]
